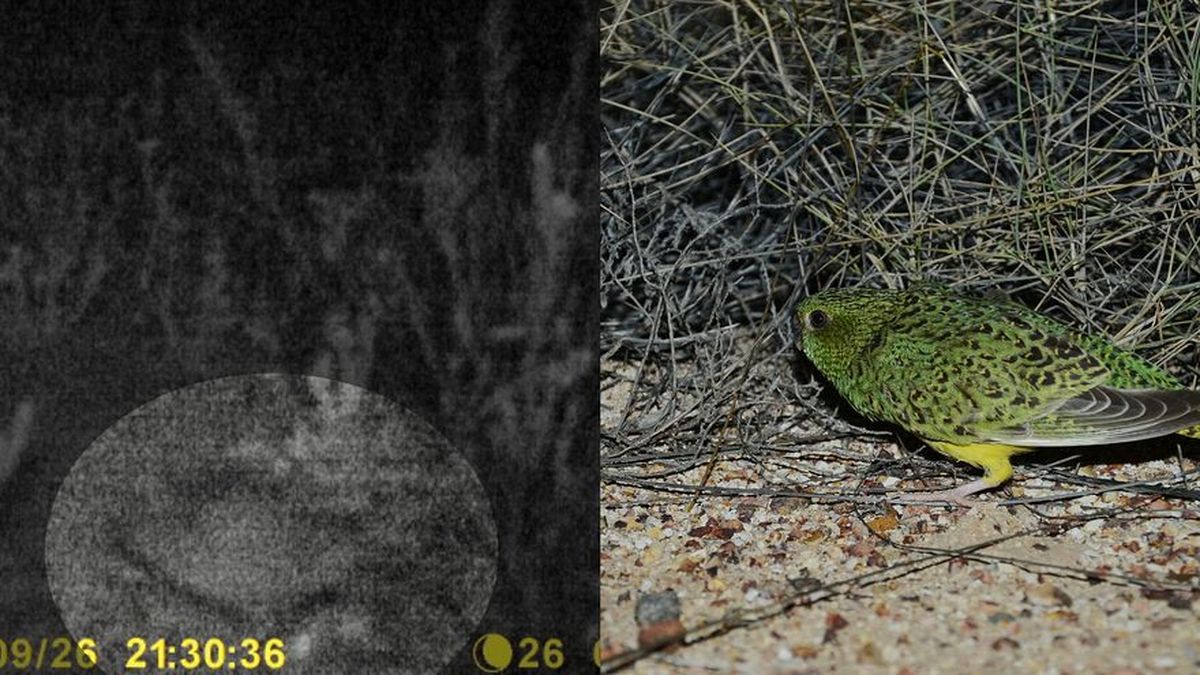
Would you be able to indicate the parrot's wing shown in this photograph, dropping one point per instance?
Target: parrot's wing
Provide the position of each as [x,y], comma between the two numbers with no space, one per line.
[974,372]
[1103,415]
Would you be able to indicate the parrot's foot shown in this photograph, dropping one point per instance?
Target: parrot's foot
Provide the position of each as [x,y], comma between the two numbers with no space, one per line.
[960,495]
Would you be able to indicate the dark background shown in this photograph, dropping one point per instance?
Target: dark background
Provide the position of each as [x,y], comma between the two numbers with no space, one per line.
[395,194]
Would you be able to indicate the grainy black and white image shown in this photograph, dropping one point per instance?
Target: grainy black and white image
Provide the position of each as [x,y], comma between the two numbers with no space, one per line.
[297,334]
[297,507]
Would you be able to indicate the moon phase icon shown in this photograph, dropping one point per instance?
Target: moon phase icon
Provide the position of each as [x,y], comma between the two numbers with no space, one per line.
[492,653]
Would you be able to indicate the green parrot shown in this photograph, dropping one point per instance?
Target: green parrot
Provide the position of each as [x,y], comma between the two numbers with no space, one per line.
[980,379]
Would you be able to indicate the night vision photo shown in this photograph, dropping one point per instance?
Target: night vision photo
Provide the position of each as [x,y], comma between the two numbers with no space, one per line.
[297,349]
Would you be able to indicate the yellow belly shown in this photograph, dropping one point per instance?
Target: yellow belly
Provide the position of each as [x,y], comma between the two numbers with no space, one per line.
[990,457]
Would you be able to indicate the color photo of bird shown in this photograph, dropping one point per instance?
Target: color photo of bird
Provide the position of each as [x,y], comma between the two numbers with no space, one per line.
[982,379]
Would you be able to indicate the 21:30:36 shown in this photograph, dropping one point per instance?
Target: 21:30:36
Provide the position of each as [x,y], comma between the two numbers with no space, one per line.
[210,654]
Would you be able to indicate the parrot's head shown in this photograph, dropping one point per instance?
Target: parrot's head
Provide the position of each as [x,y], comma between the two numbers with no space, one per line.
[836,327]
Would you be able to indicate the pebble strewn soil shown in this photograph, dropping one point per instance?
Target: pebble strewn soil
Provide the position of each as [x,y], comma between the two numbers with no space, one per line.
[1105,583]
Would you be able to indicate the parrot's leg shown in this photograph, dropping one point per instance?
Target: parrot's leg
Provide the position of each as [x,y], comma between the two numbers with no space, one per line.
[993,459]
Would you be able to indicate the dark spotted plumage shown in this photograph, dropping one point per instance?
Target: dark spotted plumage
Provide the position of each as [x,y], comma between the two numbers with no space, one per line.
[982,379]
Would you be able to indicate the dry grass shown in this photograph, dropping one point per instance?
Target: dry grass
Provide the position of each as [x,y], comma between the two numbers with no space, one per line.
[756,152]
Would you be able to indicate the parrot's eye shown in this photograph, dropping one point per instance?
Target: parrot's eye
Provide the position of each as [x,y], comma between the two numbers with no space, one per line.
[817,319]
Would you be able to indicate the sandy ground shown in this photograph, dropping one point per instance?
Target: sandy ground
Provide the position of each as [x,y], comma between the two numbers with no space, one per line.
[1106,583]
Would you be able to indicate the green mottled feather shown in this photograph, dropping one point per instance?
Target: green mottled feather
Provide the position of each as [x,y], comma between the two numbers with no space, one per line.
[962,369]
